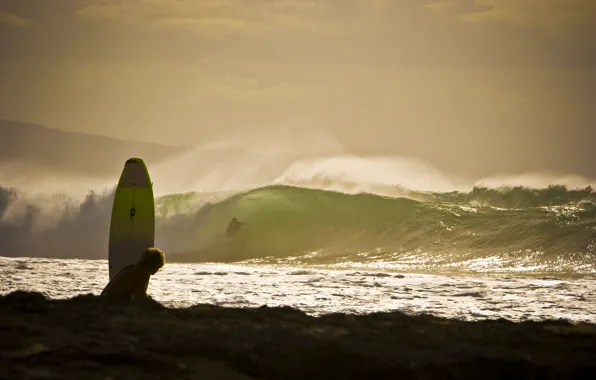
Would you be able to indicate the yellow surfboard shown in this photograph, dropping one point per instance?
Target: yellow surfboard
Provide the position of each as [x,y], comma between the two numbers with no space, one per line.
[132,226]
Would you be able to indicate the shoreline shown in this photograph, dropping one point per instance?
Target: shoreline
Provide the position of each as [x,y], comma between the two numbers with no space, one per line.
[87,337]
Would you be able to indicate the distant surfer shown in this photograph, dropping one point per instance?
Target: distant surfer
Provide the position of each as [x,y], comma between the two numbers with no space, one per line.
[132,282]
[234,227]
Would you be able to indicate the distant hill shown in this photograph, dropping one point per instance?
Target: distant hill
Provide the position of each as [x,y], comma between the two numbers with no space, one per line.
[71,152]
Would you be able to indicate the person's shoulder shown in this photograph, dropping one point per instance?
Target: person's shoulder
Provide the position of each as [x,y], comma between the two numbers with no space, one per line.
[131,271]
[139,272]
[123,271]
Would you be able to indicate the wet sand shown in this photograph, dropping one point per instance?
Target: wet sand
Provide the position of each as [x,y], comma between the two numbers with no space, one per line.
[87,338]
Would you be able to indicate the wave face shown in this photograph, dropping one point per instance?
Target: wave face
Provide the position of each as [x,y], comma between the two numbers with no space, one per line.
[485,230]
[514,229]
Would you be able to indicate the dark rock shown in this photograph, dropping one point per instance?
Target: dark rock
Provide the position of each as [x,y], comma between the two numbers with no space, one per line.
[26,301]
[88,338]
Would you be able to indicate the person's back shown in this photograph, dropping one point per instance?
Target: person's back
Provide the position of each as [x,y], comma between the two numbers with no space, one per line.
[132,282]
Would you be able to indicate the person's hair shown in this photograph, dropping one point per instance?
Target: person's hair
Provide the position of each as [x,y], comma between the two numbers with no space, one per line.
[152,259]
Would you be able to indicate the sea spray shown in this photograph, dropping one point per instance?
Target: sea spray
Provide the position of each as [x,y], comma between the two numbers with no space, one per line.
[509,229]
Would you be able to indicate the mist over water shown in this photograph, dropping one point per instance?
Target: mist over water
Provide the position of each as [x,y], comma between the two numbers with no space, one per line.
[308,201]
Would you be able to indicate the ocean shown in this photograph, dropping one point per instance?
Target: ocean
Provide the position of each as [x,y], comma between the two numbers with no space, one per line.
[515,252]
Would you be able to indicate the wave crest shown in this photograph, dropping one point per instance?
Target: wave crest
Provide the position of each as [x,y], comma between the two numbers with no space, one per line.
[550,229]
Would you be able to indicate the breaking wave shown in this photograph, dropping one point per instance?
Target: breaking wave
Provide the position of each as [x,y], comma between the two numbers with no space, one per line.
[489,230]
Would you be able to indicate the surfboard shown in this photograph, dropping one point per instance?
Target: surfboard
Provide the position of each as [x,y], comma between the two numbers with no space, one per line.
[132,225]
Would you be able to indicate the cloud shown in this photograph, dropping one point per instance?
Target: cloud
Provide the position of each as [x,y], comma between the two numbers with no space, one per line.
[181,82]
[14,20]
[214,17]
[212,26]
[242,89]
[294,5]
[535,14]
[441,5]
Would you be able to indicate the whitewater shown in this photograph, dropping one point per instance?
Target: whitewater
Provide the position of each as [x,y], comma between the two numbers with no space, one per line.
[319,291]
[325,233]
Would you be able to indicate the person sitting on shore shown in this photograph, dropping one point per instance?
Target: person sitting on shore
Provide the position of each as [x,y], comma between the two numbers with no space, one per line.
[131,282]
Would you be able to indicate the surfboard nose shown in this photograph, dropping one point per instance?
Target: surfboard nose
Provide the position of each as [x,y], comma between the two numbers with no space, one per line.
[134,160]
[134,174]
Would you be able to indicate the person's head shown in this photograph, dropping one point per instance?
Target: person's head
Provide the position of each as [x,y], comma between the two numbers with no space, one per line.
[153,259]
[234,219]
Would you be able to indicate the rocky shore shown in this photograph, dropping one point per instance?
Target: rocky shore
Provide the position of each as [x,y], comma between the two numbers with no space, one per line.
[87,338]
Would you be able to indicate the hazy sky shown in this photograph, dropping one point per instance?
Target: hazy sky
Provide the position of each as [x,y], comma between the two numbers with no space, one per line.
[474,82]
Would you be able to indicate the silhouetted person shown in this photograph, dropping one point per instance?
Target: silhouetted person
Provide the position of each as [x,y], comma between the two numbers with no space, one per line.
[234,227]
[132,282]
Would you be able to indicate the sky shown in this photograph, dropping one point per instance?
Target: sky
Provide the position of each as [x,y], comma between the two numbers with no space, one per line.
[501,85]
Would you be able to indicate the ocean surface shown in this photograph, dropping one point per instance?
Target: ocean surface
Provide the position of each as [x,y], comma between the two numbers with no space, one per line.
[318,291]
[514,252]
